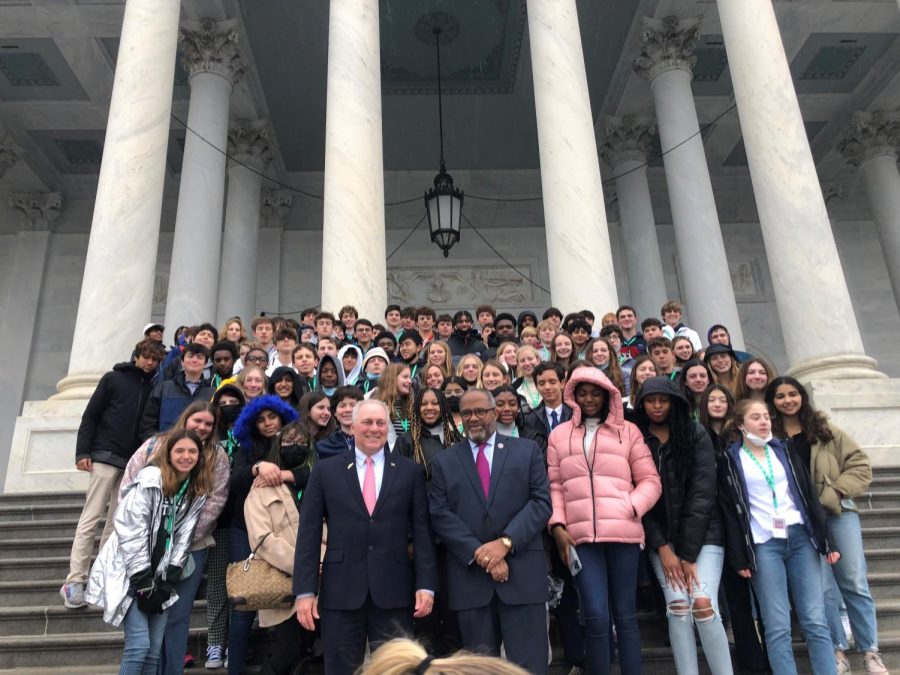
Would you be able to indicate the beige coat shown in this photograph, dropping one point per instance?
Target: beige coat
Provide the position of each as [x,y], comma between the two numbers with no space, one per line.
[839,466]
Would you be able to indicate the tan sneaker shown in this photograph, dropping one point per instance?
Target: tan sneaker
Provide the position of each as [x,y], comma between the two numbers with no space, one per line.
[841,663]
[874,664]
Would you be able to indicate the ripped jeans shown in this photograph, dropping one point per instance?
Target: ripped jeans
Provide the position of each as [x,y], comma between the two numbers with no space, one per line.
[684,612]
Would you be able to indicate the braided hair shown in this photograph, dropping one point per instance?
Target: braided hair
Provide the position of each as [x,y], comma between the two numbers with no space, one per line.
[451,433]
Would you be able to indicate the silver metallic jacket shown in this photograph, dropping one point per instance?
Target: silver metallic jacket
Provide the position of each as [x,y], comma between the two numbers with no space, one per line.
[128,549]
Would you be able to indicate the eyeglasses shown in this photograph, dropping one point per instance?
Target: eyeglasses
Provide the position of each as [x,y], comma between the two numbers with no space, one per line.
[480,413]
[255,359]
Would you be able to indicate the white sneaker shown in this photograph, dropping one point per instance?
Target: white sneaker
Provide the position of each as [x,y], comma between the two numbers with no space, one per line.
[874,664]
[215,657]
[73,595]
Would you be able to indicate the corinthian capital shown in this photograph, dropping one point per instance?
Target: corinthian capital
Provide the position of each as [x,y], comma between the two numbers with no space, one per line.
[666,44]
[871,134]
[276,205]
[40,209]
[248,143]
[627,138]
[9,154]
[209,46]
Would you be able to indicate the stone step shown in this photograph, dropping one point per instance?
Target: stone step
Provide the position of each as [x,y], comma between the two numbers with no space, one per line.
[24,569]
[52,546]
[882,482]
[56,620]
[39,529]
[31,512]
[882,559]
[880,517]
[885,585]
[879,500]
[11,498]
[881,537]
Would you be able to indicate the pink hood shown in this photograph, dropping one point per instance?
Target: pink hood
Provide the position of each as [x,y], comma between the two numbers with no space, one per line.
[616,416]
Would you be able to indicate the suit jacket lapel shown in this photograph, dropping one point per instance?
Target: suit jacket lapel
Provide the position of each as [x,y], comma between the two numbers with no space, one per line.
[500,453]
[353,481]
[387,479]
[465,457]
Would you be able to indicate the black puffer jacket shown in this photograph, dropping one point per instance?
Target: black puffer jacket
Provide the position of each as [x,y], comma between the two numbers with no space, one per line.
[686,517]
[110,426]
[466,343]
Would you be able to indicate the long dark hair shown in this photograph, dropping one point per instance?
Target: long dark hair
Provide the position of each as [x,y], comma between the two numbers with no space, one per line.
[681,431]
[313,430]
[706,420]
[451,433]
[813,424]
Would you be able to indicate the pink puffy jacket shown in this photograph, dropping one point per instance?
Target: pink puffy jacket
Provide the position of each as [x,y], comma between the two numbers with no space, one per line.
[601,497]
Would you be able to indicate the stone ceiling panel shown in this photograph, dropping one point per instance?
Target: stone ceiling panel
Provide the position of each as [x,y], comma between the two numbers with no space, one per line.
[33,69]
[835,63]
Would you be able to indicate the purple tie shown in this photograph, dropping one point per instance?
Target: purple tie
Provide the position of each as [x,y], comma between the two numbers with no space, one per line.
[484,469]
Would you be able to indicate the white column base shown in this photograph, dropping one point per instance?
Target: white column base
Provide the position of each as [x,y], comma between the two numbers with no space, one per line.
[837,367]
[866,409]
[42,456]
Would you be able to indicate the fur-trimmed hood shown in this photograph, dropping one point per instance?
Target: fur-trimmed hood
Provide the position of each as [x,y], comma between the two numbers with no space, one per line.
[245,426]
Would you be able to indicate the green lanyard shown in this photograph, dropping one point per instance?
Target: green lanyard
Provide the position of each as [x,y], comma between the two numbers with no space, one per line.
[229,444]
[770,477]
[170,522]
[414,369]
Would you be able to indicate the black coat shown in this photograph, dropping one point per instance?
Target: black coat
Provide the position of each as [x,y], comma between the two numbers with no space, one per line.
[431,446]
[167,401]
[686,517]
[541,411]
[110,426]
[365,555]
[467,343]
[734,504]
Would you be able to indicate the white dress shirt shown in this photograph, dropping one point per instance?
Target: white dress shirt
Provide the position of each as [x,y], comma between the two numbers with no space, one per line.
[488,450]
[378,461]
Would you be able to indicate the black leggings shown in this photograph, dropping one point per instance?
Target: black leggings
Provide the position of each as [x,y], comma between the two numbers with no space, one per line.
[292,643]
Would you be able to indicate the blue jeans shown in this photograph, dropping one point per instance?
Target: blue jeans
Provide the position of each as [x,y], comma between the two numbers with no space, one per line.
[608,579]
[852,584]
[240,623]
[793,564]
[679,610]
[174,647]
[143,641]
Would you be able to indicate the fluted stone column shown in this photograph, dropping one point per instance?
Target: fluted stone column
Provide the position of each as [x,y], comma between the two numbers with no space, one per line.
[625,143]
[212,59]
[119,272]
[22,296]
[276,206]
[871,144]
[578,249]
[354,268]
[667,60]
[248,145]
[820,330]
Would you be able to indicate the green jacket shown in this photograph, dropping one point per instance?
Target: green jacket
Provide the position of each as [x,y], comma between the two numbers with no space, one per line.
[839,469]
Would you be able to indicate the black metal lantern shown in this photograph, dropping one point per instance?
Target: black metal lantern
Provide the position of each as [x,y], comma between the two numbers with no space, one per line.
[443,203]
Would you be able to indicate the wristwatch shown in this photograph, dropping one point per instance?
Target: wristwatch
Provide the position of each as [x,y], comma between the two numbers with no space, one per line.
[507,542]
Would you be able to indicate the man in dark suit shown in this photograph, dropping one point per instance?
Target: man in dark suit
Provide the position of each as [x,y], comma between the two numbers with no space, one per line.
[490,501]
[371,501]
[550,379]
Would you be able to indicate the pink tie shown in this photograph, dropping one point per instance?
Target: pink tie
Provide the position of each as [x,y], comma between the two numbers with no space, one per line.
[369,485]
[483,469]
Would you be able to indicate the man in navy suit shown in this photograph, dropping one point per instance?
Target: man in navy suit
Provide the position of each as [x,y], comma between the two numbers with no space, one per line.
[372,502]
[490,501]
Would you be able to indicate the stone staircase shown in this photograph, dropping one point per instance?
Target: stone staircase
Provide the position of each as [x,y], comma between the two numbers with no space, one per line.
[39,636]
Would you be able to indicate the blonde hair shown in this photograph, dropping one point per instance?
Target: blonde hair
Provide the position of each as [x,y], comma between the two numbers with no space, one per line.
[528,331]
[461,365]
[388,394]
[447,365]
[402,656]
[242,378]
[522,350]
[224,331]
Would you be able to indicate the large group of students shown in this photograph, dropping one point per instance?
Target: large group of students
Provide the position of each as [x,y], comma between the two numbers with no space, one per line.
[463,478]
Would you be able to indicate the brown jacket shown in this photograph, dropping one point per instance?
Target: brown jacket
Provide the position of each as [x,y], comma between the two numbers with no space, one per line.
[839,466]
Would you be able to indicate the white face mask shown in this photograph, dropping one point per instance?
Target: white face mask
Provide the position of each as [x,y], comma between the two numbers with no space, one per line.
[757,440]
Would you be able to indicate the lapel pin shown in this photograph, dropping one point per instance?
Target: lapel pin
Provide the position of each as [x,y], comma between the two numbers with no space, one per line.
[392,464]
[500,445]
[350,465]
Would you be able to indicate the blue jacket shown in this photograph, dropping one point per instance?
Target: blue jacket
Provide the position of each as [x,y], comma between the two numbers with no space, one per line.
[336,443]
[167,401]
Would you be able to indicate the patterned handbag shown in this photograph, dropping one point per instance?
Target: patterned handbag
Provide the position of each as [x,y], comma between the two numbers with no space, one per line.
[254,584]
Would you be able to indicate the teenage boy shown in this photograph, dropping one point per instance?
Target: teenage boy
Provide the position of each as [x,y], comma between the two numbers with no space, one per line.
[663,356]
[485,314]
[107,437]
[305,362]
[633,343]
[363,334]
[154,331]
[388,342]
[324,325]
[392,319]
[581,334]
[205,334]
[224,356]
[407,319]
[425,318]
[341,440]
[308,316]
[327,346]
[329,374]
[546,332]
[719,335]
[549,378]
[554,315]
[444,326]
[373,365]
[285,343]
[410,345]
[673,328]
[651,328]
[465,339]
[348,316]
[169,398]
[264,332]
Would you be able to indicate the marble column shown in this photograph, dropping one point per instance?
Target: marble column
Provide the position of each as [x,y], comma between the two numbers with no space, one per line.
[625,143]
[119,272]
[354,269]
[276,205]
[578,249]
[210,55]
[248,146]
[820,330]
[667,60]
[871,143]
[24,280]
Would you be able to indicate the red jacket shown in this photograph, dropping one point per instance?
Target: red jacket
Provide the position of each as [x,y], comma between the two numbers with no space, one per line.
[603,496]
